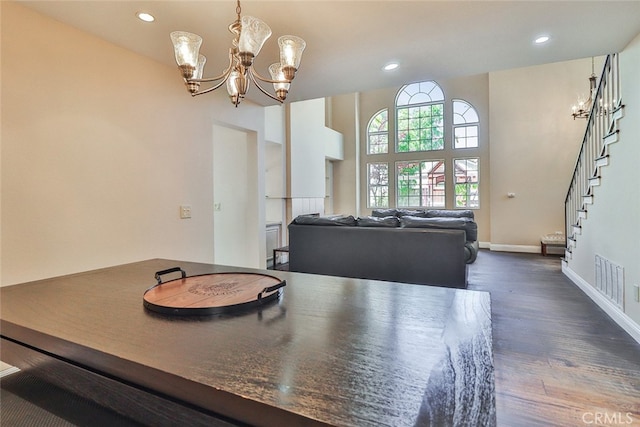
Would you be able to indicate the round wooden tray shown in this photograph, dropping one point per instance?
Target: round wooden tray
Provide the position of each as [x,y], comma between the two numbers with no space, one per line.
[211,293]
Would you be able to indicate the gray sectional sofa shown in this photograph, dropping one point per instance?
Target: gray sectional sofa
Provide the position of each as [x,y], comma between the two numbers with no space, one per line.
[393,247]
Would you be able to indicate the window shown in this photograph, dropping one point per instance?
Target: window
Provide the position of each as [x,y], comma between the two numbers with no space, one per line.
[378,133]
[420,183]
[465,125]
[406,154]
[420,118]
[466,183]
[378,180]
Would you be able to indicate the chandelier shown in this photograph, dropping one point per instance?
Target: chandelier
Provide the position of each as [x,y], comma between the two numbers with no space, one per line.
[250,35]
[582,108]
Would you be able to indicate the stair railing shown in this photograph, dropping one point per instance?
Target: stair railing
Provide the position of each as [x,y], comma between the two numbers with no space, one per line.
[593,151]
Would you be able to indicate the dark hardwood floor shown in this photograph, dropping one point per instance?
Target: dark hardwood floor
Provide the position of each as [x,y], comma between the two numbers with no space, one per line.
[559,359]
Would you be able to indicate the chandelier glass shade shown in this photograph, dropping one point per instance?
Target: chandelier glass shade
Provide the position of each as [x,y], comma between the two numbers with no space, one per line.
[250,35]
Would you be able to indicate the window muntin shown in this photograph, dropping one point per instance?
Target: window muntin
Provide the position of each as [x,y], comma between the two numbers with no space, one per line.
[419,93]
[378,185]
[420,117]
[466,183]
[420,128]
[465,136]
[465,125]
[378,133]
[420,183]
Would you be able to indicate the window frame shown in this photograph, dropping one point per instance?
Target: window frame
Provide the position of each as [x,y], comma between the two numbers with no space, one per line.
[466,183]
[369,186]
[455,115]
[418,96]
[378,133]
[439,163]
[466,123]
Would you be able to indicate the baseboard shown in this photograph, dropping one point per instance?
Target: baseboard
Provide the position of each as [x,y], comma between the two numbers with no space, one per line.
[514,248]
[611,309]
[8,370]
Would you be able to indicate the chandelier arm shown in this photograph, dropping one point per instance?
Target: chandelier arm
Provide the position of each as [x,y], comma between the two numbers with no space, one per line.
[224,75]
[251,75]
[212,88]
[266,80]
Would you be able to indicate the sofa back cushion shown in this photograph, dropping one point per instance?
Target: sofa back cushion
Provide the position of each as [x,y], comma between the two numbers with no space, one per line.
[344,220]
[449,213]
[398,212]
[463,223]
[374,221]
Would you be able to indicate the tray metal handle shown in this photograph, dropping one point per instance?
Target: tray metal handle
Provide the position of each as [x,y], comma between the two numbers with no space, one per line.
[272,288]
[169,270]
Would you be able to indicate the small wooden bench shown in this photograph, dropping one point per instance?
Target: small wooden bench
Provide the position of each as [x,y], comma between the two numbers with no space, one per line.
[552,240]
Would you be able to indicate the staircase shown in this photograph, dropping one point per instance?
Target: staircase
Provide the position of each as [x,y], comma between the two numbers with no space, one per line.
[602,130]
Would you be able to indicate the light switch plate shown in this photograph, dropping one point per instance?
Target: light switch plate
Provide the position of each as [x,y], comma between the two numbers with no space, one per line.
[185,211]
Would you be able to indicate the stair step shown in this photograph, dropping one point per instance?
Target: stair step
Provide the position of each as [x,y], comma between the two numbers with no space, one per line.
[594,181]
[571,243]
[567,254]
[577,229]
[587,199]
[602,161]
[617,113]
[611,137]
[582,213]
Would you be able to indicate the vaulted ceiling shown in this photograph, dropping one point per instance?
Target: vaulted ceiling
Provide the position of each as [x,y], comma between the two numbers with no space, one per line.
[348,42]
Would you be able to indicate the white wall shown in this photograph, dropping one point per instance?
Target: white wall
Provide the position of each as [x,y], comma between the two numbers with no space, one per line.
[345,173]
[309,143]
[611,228]
[100,147]
[306,149]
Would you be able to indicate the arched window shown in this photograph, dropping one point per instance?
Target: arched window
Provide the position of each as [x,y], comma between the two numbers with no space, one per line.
[417,173]
[378,133]
[420,117]
[465,125]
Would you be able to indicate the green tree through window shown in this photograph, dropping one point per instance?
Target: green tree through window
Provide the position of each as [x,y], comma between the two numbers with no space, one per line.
[466,183]
[420,118]
[420,184]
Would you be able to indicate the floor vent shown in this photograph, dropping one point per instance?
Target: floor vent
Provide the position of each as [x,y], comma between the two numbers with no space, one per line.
[610,280]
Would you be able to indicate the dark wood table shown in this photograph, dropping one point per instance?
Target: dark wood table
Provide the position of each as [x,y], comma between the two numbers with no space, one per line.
[330,351]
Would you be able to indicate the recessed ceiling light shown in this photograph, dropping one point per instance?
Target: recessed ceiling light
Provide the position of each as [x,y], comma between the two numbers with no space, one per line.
[391,66]
[542,39]
[146,17]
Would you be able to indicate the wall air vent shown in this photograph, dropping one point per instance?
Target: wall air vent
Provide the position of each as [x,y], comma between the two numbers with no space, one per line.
[610,280]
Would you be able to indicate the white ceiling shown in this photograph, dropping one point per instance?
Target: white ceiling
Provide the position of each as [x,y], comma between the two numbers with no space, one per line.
[348,42]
